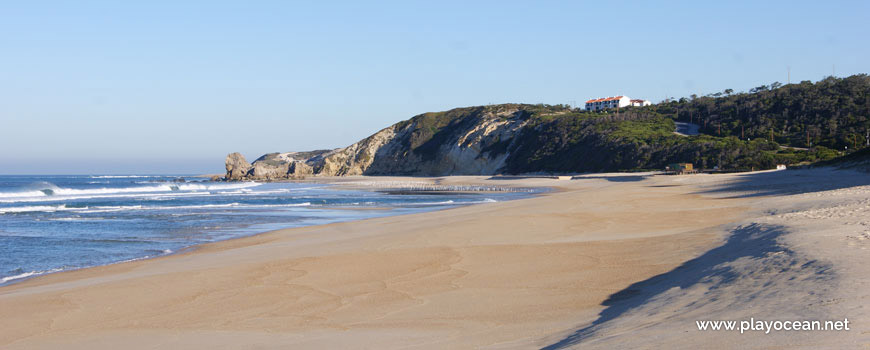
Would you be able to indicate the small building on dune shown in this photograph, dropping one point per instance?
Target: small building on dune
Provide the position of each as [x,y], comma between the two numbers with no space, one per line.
[640,103]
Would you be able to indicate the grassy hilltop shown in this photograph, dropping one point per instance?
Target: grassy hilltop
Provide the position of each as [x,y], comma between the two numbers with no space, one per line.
[769,125]
[776,124]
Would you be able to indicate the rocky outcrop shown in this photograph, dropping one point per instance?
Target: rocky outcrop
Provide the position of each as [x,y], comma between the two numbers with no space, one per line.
[237,167]
[521,139]
[464,141]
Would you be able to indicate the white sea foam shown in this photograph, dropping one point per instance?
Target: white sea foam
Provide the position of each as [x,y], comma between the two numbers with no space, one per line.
[112,209]
[27,274]
[124,176]
[418,186]
[249,192]
[448,202]
[429,203]
[43,272]
[50,192]
[150,196]
[77,219]
[282,205]
[21,194]
[40,208]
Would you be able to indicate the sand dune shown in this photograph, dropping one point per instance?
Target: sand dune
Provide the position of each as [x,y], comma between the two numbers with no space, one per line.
[608,261]
[797,255]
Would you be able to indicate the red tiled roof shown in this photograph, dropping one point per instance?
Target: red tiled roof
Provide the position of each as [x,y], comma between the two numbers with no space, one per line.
[605,99]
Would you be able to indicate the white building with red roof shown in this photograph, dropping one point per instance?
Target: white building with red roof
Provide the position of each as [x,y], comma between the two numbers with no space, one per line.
[597,104]
[640,103]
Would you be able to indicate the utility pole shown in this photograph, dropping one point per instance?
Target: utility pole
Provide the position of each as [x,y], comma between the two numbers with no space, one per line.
[788,68]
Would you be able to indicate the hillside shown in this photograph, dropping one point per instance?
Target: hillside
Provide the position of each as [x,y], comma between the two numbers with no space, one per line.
[859,160]
[833,113]
[743,131]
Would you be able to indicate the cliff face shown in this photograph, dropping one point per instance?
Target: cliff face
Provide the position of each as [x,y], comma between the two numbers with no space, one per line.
[464,141]
[517,139]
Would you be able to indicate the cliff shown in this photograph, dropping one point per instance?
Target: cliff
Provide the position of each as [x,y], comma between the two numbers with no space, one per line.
[517,138]
[459,141]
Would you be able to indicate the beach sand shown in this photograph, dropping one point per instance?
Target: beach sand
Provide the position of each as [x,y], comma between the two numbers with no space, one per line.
[605,261]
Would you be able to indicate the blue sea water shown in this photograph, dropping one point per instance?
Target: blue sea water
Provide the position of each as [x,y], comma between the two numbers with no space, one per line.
[56,223]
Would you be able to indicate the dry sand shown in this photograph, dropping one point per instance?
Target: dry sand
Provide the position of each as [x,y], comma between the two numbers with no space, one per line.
[606,261]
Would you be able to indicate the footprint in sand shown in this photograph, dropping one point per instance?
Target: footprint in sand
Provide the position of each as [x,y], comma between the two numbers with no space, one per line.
[860,240]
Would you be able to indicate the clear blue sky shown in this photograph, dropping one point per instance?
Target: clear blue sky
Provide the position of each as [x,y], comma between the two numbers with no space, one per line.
[173,86]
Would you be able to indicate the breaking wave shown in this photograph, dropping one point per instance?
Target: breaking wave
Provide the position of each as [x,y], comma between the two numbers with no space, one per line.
[124,176]
[48,191]
[27,274]
[111,209]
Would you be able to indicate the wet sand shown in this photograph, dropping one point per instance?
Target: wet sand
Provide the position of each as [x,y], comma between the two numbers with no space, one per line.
[529,273]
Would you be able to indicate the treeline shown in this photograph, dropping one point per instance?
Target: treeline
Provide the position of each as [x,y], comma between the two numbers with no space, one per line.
[833,113]
[769,125]
[633,140]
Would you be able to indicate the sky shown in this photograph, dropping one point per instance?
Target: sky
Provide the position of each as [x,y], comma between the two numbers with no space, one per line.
[130,87]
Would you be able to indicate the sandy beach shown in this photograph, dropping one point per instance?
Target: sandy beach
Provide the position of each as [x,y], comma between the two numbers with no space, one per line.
[602,261]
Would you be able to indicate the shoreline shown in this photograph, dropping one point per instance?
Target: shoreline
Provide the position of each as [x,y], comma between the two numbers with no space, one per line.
[335,182]
[576,265]
[466,271]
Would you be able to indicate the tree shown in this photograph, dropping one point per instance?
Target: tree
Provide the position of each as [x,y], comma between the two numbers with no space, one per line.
[728,92]
[832,109]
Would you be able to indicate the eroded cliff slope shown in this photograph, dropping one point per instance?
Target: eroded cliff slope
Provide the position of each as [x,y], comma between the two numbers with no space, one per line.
[520,138]
[468,141]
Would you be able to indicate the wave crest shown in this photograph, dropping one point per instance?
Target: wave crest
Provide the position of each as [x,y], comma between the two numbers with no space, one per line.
[47,189]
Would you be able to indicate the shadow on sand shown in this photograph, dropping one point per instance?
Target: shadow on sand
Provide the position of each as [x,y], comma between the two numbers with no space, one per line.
[611,178]
[716,269]
[789,182]
[713,269]
[625,178]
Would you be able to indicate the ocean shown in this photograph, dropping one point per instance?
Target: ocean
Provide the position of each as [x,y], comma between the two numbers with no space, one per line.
[64,222]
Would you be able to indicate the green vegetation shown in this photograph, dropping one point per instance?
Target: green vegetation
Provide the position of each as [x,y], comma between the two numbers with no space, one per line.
[634,140]
[792,124]
[834,113]
[811,121]
[855,160]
